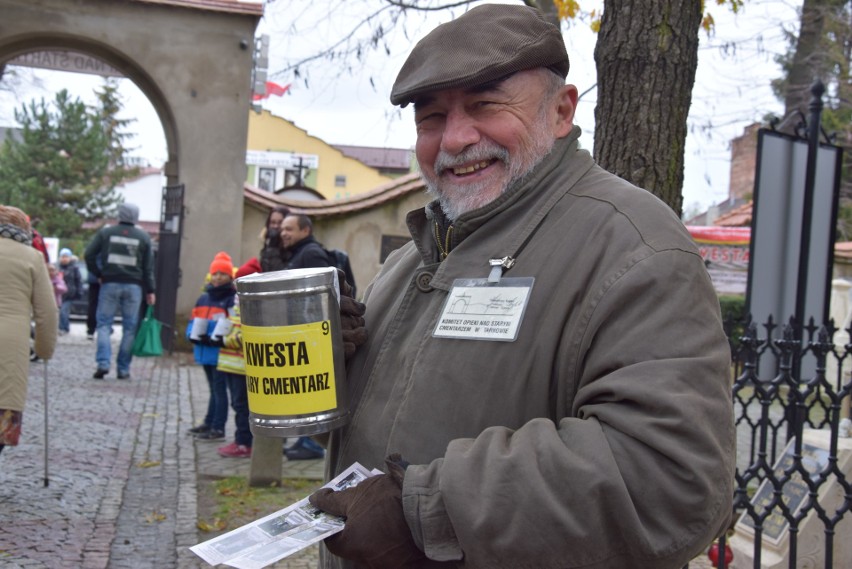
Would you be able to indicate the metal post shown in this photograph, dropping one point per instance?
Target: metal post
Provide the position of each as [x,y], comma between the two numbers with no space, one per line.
[815,111]
[46,478]
[815,108]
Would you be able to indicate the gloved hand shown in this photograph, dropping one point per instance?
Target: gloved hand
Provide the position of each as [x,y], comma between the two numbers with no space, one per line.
[352,325]
[351,318]
[376,533]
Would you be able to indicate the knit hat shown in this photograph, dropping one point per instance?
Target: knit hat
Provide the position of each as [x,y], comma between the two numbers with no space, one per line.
[65,252]
[485,44]
[222,264]
[128,213]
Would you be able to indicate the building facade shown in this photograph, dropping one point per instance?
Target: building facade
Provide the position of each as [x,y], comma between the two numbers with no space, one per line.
[282,158]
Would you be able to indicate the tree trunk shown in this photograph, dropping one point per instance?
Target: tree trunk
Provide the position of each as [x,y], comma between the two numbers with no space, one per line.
[809,59]
[646,56]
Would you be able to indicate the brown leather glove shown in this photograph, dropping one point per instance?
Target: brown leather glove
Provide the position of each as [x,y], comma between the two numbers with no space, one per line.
[351,318]
[376,534]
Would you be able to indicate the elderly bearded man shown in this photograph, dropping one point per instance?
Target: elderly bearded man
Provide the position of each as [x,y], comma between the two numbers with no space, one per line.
[546,355]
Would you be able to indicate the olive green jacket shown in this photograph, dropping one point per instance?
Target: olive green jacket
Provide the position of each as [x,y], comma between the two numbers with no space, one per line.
[603,436]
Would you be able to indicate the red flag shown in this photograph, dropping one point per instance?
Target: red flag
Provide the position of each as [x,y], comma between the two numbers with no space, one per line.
[271,89]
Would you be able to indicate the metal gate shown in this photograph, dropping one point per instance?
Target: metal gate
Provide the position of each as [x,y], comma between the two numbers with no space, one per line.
[783,477]
[168,261]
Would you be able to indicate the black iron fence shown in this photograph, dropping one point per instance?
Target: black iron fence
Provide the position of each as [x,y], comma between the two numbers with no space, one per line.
[791,392]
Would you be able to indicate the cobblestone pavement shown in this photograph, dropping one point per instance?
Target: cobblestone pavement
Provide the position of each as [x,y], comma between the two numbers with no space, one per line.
[121,472]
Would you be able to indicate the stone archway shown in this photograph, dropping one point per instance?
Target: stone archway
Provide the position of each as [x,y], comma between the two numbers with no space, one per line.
[193,60]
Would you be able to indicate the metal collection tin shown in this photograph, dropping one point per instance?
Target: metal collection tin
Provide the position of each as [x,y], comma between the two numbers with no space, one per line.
[293,352]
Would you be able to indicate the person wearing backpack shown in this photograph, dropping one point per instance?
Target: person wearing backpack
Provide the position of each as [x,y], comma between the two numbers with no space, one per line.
[305,253]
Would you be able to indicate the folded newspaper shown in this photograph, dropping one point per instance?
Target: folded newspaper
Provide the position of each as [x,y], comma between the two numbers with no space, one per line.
[274,537]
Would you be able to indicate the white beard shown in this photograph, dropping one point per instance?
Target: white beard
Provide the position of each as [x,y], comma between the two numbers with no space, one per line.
[456,200]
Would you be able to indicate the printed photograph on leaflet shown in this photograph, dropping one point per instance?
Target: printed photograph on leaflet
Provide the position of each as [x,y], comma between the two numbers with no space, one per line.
[278,535]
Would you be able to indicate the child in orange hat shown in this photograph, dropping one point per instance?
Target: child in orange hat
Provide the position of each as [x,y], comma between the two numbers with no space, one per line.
[211,309]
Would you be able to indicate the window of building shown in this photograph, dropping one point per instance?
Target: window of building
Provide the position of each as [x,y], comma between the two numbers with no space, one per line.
[340,181]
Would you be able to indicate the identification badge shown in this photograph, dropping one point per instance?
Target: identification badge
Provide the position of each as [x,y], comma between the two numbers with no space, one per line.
[480,310]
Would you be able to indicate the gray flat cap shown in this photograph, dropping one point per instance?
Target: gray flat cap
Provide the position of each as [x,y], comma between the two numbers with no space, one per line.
[485,44]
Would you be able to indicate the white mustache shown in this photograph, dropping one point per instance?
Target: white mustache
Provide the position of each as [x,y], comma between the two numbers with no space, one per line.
[483,151]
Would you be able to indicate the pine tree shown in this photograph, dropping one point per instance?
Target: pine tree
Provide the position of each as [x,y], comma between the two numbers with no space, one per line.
[64,170]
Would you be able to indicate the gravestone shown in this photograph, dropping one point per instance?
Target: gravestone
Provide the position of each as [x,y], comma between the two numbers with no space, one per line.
[776,529]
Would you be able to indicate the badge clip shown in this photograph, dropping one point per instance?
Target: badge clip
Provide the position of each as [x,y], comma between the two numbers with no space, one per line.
[497,267]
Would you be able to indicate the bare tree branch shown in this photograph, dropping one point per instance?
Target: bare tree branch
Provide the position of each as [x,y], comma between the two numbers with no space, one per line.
[415,6]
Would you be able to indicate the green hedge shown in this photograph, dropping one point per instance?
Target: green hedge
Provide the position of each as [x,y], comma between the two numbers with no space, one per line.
[733,313]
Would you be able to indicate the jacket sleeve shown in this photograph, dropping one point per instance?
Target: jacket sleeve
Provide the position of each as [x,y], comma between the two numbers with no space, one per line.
[148,268]
[93,249]
[45,315]
[78,283]
[641,472]
[60,285]
[314,256]
[248,268]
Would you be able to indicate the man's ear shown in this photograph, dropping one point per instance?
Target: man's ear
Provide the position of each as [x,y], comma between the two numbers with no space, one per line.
[566,104]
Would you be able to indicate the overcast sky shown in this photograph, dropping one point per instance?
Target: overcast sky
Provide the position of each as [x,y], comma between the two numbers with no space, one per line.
[731,91]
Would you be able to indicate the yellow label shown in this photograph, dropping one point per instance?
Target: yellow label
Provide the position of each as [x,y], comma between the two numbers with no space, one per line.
[289,369]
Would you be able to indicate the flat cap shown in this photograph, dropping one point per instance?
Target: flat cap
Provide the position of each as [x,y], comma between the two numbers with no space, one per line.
[485,44]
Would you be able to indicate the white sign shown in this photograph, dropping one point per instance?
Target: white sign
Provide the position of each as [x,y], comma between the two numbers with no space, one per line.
[479,310]
[288,160]
[62,60]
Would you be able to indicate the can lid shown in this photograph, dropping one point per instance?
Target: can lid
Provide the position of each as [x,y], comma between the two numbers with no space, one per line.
[289,279]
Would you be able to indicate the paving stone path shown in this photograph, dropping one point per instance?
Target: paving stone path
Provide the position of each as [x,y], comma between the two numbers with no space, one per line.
[122,474]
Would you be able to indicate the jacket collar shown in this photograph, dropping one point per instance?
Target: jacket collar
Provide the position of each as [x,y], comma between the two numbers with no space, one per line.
[302,244]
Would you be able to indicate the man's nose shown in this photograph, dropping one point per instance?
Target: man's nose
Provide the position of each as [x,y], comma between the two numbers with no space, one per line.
[459,132]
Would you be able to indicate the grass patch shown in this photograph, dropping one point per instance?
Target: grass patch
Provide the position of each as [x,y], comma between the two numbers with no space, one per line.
[227,503]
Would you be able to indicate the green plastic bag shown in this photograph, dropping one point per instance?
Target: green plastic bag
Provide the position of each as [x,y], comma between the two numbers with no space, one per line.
[147,343]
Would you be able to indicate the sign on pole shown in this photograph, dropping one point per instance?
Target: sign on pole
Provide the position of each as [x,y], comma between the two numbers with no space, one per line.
[777,225]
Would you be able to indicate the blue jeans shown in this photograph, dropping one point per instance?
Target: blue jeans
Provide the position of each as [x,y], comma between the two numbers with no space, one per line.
[239,403]
[127,298]
[217,406]
[309,443]
[65,316]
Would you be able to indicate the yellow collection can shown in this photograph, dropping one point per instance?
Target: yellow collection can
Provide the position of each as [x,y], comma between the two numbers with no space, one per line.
[293,351]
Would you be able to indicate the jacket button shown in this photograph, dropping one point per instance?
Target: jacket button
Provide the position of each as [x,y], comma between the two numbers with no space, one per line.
[423,282]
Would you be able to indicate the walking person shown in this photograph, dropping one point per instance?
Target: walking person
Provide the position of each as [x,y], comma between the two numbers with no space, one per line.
[122,259]
[27,294]
[214,304]
[74,283]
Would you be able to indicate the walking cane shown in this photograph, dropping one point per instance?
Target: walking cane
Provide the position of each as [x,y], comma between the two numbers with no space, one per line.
[45,424]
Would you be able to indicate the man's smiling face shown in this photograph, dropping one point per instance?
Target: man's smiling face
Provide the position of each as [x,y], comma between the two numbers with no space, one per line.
[474,143]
